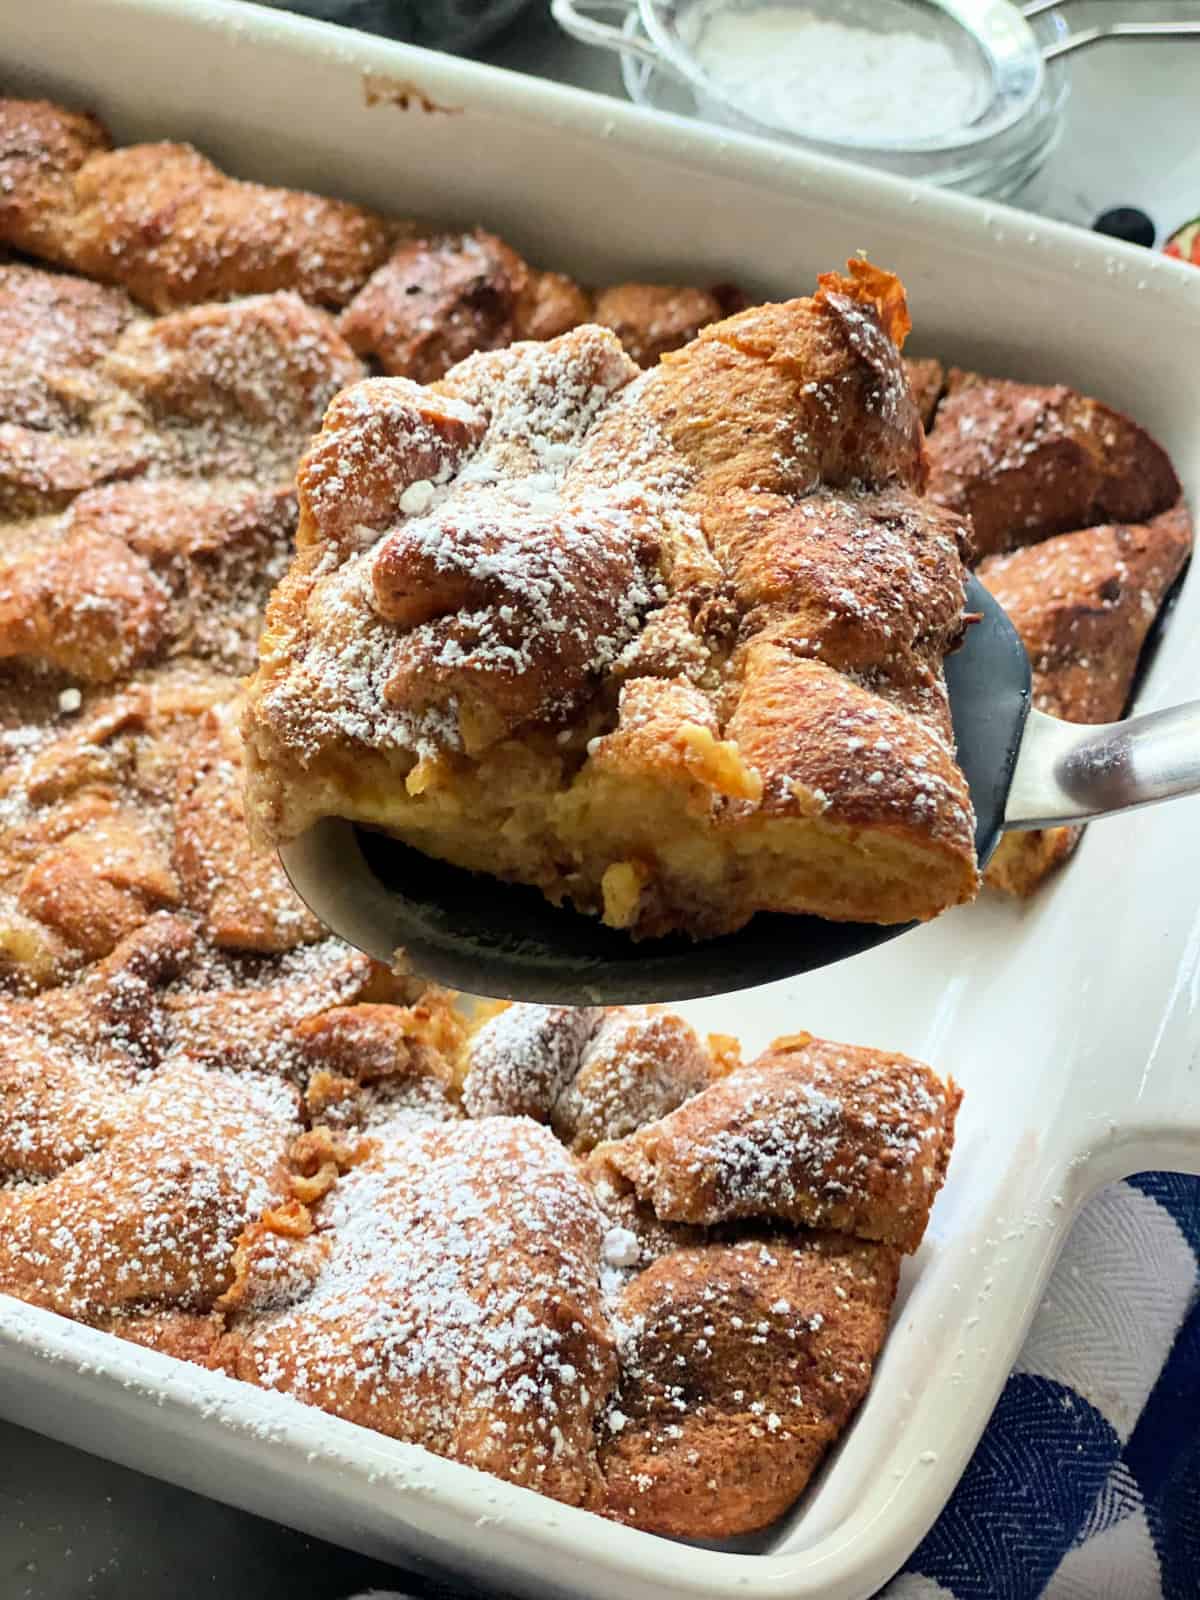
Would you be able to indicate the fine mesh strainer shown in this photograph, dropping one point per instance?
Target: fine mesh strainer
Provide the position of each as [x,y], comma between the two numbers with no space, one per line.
[892,77]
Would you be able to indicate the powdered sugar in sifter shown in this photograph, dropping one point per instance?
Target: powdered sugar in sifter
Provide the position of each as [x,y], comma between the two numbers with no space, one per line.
[962,93]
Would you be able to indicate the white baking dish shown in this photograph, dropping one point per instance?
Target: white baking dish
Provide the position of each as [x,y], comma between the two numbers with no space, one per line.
[1071,1022]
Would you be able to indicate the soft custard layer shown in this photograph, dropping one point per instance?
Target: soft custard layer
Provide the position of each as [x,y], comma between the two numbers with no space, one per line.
[645,851]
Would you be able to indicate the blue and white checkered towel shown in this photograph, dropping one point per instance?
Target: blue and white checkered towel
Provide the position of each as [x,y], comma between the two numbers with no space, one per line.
[1086,1485]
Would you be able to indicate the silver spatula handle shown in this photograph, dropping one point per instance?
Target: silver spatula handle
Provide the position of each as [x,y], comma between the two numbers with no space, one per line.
[1067,772]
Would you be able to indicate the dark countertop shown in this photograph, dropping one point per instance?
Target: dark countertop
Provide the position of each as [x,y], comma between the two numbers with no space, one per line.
[74,1527]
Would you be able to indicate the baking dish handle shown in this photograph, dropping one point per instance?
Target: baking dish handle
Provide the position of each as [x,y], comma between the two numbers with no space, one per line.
[575,20]
[1160,1130]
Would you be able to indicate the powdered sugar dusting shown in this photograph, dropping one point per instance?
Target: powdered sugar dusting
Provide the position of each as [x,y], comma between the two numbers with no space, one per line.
[820,1134]
[521,1060]
[150,1218]
[492,585]
[472,1327]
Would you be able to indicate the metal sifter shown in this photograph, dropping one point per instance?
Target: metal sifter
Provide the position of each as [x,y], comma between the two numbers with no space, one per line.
[955,92]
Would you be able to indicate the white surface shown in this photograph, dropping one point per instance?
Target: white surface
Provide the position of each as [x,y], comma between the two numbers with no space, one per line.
[1072,1022]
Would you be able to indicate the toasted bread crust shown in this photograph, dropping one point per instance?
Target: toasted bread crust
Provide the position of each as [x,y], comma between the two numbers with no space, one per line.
[719,578]
[1024,462]
[167,225]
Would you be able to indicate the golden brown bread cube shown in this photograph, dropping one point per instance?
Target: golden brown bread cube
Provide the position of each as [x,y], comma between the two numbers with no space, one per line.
[42,472]
[80,602]
[1023,462]
[130,804]
[166,224]
[217,391]
[434,301]
[1083,604]
[520,1061]
[550,304]
[231,391]
[54,329]
[638,1065]
[153,1216]
[1024,860]
[75,785]
[439,299]
[822,1134]
[55,334]
[854,580]
[652,318]
[99,883]
[212,551]
[430,1308]
[69,1057]
[591,1074]
[255,1017]
[243,896]
[163,995]
[379,1067]
[42,147]
[741,1364]
[131,572]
